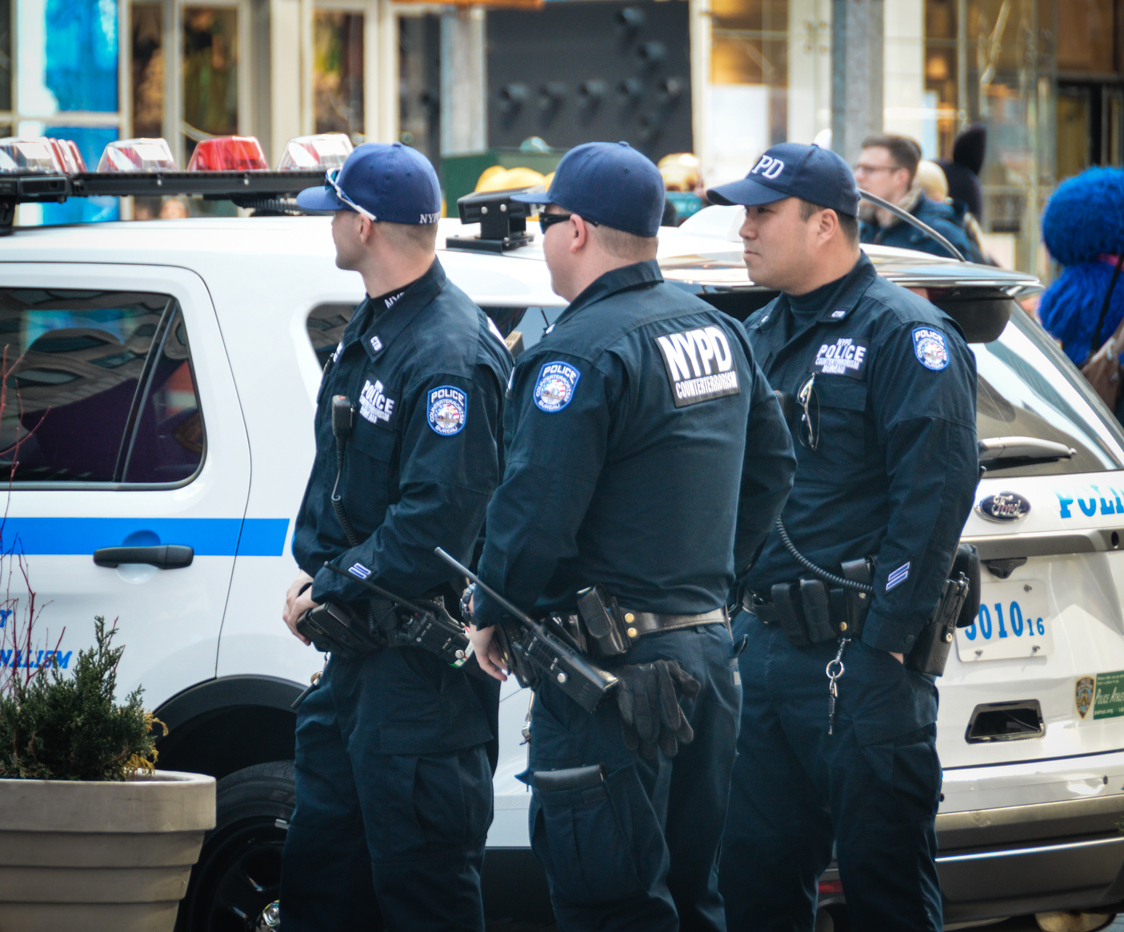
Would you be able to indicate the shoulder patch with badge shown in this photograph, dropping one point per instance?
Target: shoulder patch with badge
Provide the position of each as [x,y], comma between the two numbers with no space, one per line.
[700,365]
[374,406]
[555,387]
[843,357]
[930,348]
[447,410]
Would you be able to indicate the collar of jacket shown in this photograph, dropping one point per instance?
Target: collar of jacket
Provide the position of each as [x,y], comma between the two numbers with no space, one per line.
[770,329]
[380,334]
[613,282]
[909,204]
[848,292]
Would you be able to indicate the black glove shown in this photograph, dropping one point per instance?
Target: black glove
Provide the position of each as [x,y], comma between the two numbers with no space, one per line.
[648,697]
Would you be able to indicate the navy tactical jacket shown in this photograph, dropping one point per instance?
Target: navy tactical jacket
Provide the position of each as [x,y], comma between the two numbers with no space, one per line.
[426,377]
[644,451]
[946,219]
[892,415]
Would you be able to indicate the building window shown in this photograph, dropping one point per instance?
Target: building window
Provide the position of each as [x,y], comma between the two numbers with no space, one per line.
[338,72]
[210,74]
[148,66]
[65,85]
[748,94]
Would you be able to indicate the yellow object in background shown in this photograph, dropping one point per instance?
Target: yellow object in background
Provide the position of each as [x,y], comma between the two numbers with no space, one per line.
[497,178]
[487,175]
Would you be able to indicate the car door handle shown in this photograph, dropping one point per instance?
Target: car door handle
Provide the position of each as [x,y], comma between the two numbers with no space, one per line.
[166,557]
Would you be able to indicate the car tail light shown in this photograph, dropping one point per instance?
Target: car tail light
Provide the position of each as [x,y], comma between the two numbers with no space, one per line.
[831,887]
[29,155]
[325,150]
[137,155]
[228,154]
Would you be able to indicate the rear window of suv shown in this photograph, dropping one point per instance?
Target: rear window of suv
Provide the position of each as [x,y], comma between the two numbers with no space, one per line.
[1028,388]
[98,388]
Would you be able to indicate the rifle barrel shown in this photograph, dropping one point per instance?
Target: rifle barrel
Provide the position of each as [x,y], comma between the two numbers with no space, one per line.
[465,571]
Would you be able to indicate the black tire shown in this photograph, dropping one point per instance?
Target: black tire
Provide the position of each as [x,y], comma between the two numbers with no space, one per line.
[239,869]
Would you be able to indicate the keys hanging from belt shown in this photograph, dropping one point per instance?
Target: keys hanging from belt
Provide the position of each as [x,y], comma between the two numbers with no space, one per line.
[834,671]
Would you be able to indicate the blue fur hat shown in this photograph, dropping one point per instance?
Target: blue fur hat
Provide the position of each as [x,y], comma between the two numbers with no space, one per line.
[1083,220]
[1085,216]
[1070,307]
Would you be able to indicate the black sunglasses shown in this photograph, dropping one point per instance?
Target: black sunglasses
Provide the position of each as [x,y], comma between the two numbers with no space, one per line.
[546,221]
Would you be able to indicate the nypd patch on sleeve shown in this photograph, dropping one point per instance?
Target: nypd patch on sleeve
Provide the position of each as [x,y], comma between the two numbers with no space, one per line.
[448,410]
[930,348]
[555,387]
[700,365]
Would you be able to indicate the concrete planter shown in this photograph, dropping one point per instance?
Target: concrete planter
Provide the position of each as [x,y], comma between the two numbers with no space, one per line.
[100,857]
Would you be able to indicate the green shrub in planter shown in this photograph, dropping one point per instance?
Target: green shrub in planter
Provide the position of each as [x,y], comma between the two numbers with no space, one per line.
[56,727]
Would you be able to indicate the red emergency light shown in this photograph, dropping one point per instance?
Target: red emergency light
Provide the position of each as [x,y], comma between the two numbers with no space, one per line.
[228,153]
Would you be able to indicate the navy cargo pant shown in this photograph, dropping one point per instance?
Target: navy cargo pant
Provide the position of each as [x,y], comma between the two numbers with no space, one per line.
[393,833]
[872,786]
[639,851]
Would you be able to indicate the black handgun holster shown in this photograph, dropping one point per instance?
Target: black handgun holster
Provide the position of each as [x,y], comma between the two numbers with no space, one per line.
[957,608]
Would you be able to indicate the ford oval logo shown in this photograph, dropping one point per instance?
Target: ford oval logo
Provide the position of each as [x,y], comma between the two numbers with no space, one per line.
[1004,506]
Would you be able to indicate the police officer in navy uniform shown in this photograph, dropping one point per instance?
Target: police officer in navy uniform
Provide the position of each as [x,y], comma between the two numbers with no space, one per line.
[646,453]
[394,789]
[883,390]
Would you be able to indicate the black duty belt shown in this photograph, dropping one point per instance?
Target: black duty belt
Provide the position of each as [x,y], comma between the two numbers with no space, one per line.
[639,624]
[762,606]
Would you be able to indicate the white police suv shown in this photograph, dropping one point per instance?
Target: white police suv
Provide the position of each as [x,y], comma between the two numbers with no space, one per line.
[156,434]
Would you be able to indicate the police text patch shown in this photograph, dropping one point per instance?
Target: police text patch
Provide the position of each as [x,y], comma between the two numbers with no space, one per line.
[700,365]
[555,387]
[843,357]
[930,347]
[448,410]
[374,406]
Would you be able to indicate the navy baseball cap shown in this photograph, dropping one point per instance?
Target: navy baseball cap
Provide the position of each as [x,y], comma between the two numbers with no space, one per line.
[390,183]
[609,183]
[791,169]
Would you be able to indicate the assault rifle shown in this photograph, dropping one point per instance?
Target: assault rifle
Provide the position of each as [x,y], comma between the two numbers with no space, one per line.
[428,626]
[532,652]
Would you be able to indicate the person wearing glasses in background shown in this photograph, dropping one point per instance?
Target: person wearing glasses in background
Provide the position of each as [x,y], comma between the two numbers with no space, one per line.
[881,392]
[645,453]
[394,754]
[887,168]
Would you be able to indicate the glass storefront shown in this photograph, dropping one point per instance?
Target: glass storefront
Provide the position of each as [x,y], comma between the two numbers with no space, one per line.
[338,72]
[64,84]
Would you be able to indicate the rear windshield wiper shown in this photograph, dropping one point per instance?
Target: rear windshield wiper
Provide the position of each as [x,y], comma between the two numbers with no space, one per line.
[1009,451]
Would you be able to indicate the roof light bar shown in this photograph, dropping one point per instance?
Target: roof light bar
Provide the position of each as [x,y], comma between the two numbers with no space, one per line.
[228,153]
[324,151]
[137,155]
[34,156]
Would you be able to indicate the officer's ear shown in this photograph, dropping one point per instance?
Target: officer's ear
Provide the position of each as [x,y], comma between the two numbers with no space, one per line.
[579,232]
[366,229]
[827,224]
